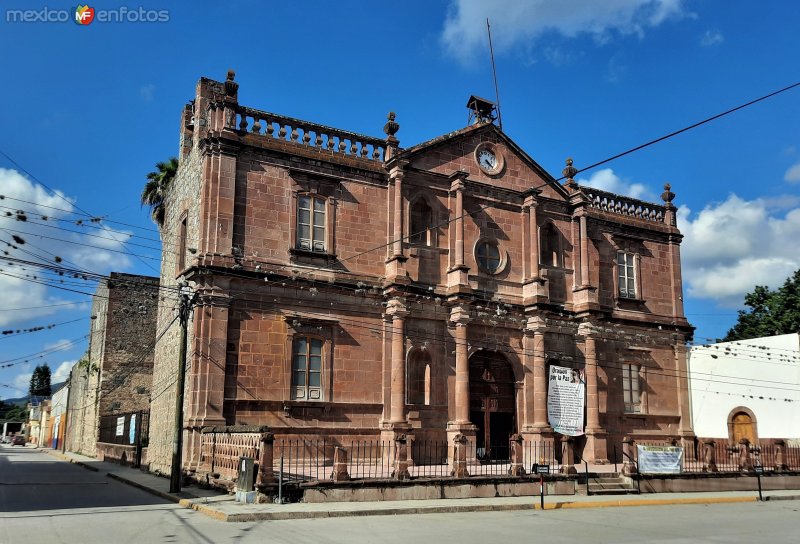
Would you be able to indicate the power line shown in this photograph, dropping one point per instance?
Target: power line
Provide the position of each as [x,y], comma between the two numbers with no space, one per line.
[61,196]
[690,127]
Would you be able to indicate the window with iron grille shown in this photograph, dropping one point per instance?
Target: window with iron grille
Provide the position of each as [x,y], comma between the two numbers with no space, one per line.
[307,368]
[311,223]
[630,388]
[626,274]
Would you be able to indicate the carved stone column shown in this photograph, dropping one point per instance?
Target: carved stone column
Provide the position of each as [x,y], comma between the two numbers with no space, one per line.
[535,428]
[397,310]
[596,437]
[460,317]
[460,424]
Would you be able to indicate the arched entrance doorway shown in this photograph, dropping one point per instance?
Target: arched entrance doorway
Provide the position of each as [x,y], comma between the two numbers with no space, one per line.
[492,403]
[742,424]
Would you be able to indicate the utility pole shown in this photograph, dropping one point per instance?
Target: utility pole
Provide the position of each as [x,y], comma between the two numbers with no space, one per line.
[184,311]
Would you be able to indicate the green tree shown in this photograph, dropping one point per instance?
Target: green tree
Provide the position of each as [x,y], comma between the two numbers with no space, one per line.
[40,381]
[771,312]
[156,188]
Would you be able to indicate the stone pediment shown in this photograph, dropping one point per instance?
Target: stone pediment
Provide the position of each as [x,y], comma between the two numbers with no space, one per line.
[459,151]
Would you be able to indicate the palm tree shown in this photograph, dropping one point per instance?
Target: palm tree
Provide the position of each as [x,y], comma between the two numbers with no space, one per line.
[155,190]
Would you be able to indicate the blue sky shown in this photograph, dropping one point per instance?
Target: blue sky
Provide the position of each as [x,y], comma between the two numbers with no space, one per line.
[89,110]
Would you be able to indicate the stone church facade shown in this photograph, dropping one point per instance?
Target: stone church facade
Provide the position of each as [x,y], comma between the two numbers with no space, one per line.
[351,288]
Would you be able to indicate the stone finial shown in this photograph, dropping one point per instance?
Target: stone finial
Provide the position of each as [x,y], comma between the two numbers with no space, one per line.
[231,87]
[391,127]
[569,172]
[667,196]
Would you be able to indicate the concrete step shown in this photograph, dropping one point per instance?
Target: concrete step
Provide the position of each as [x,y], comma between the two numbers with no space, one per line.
[621,491]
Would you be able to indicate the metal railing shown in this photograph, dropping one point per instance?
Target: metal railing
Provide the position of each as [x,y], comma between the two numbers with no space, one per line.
[312,459]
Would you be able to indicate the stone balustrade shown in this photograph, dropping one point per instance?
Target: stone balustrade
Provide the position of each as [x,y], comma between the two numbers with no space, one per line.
[312,135]
[221,449]
[609,202]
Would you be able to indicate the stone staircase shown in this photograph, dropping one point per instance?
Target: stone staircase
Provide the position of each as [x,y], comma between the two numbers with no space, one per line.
[610,484]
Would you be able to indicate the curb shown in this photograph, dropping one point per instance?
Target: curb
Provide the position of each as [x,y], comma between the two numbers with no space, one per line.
[563,505]
[137,485]
[59,455]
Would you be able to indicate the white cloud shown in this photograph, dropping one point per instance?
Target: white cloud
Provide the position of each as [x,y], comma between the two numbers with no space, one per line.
[712,37]
[58,345]
[61,374]
[147,92]
[519,21]
[21,384]
[41,209]
[792,175]
[607,180]
[732,246]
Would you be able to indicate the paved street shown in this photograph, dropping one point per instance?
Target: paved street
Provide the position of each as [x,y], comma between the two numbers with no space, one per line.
[43,499]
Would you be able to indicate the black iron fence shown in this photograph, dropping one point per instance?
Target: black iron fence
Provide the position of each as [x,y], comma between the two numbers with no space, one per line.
[313,459]
[128,429]
[723,457]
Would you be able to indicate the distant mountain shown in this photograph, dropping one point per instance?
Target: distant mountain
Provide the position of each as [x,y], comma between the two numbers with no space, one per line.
[23,401]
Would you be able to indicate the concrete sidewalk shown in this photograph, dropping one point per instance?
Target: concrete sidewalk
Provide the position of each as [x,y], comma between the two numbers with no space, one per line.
[223,507]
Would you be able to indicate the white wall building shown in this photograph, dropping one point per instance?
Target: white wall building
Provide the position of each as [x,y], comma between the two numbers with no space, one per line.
[746,389]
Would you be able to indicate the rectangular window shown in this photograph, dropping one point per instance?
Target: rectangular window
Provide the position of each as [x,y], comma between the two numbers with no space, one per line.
[311,223]
[630,388]
[307,369]
[182,245]
[626,274]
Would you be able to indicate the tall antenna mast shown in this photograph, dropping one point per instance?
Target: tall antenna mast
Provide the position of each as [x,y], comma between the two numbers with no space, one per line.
[494,73]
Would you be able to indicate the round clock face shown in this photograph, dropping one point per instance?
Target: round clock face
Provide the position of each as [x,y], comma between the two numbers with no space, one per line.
[487,160]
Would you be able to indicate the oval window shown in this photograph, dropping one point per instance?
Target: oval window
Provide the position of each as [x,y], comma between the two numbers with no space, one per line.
[488,256]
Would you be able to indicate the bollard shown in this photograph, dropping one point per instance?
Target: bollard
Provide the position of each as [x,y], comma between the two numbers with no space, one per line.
[266,472]
[340,473]
[710,457]
[627,453]
[568,455]
[745,463]
[459,457]
[401,458]
[780,464]
[515,445]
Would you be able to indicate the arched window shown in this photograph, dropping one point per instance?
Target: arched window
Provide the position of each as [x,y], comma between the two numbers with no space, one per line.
[420,228]
[550,245]
[419,379]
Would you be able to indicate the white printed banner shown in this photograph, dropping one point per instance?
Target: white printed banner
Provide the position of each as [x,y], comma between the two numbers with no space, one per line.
[566,400]
[659,459]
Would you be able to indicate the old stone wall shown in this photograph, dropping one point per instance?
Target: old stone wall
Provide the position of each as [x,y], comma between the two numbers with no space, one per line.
[130,329]
[182,201]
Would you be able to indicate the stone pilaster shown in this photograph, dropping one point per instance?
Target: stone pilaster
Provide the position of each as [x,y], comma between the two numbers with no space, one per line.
[206,373]
[585,295]
[396,264]
[534,288]
[596,437]
[682,371]
[457,279]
